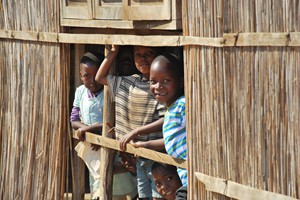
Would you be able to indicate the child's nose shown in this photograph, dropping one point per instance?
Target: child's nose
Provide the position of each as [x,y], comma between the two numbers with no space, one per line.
[158,85]
[164,186]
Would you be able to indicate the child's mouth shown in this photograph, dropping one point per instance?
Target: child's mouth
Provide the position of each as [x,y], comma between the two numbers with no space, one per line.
[161,94]
[167,193]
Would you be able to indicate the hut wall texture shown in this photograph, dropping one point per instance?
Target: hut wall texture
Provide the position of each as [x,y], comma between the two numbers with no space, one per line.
[243,102]
[34,104]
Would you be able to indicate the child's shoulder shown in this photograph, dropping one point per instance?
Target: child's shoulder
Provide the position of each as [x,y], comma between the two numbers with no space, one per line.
[178,105]
[81,89]
[181,100]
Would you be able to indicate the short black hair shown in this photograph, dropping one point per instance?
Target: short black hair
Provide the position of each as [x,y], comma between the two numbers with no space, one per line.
[92,57]
[172,60]
[170,168]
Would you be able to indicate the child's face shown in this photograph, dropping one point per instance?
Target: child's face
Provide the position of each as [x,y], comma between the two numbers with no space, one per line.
[164,84]
[125,63]
[166,182]
[87,75]
[143,57]
[128,161]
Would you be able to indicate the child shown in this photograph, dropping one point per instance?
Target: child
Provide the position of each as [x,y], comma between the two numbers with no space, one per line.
[125,61]
[167,85]
[86,115]
[166,180]
[136,109]
[124,162]
[128,161]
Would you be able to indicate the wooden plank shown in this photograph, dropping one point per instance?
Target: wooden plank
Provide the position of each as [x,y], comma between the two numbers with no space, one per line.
[203,41]
[257,39]
[238,39]
[107,155]
[237,191]
[123,24]
[146,153]
[120,39]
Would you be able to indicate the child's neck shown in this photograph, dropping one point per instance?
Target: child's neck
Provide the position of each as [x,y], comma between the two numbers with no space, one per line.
[169,105]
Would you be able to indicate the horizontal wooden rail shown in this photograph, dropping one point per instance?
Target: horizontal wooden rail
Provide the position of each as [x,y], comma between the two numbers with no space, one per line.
[142,152]
[237,191]
[228,40]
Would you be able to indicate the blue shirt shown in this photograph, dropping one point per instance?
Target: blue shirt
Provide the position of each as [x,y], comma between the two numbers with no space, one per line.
[174,133]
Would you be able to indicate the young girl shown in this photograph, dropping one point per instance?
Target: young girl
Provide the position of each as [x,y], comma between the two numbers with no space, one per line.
[86,115]
[166,84]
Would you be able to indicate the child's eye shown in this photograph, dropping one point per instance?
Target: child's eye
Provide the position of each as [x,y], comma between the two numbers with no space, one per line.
[85,75]
[166,80]
[169,178]
[152,82]
[157,184]
[149,53]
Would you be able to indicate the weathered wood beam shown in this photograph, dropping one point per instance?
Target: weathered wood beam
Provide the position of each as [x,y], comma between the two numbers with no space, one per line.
[237,191]
[146,153]
[291,39]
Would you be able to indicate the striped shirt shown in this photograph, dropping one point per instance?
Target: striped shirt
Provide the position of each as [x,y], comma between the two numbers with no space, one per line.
[135,105]
[174,133]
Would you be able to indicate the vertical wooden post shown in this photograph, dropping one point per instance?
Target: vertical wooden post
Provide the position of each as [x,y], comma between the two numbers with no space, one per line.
[107,155]
[78,166]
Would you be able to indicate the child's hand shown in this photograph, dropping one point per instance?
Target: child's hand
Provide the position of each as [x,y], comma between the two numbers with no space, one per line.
[115,48]
[113,51]
[127,138]
[123,142]
[140,144]
[81,134]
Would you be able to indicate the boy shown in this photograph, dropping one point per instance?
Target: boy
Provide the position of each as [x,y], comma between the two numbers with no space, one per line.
[167,85]
[125,62]
[136,110]
[166,180]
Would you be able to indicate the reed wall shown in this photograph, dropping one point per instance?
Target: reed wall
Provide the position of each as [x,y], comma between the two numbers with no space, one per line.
[243,102]
[34,84]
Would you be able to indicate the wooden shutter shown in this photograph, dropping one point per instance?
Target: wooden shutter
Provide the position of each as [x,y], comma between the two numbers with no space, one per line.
[108,9]
[147,9]
[76,9]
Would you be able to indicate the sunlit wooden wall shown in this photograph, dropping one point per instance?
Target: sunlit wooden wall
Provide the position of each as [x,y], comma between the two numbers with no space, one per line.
[34,90]
[243,102]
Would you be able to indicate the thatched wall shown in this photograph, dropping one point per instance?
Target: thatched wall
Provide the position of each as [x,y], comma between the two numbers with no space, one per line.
[243,102]
[34,104]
